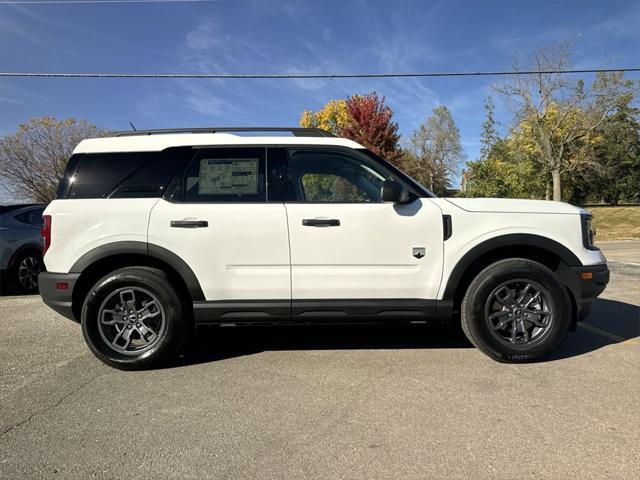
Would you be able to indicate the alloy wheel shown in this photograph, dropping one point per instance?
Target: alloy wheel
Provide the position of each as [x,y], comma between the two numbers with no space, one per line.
[28,271]
[131,321]
[519,313]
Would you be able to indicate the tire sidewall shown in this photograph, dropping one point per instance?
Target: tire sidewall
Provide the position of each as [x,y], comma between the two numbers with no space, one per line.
[158,285]
[478,293]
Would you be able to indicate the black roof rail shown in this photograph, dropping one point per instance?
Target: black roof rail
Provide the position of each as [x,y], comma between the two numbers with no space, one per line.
[295,131]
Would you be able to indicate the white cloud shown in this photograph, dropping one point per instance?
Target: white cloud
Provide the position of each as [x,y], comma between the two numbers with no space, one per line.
[623,25]
[11,100]
[289,8]
[205,36]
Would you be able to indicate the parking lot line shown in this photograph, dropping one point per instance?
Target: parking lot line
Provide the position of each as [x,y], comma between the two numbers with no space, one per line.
[603,333]
[624,263]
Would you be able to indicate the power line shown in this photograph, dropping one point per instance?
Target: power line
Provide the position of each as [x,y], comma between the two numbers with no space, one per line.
[329,76]
[77,2]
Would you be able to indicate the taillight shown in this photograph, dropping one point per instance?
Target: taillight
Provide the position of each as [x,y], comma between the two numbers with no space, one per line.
[46,233]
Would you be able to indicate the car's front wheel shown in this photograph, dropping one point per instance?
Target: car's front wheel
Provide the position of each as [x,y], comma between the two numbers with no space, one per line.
[24,273]
[516,310]
[133,319]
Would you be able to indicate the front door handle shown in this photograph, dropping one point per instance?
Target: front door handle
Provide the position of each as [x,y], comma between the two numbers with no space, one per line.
[189,223]
[320,222]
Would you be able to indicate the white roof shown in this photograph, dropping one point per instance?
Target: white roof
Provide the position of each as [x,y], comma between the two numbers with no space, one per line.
[157,142]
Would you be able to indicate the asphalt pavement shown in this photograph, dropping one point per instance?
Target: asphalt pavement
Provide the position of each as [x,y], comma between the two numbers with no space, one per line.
[326,402]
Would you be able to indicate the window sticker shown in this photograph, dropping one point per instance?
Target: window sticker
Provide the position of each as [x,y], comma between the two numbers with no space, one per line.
[237,176]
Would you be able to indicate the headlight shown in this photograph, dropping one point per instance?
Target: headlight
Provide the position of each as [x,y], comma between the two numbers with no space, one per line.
[588,232]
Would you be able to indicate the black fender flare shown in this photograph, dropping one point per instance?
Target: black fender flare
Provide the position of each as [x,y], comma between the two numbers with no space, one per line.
[147,249]
[509,240]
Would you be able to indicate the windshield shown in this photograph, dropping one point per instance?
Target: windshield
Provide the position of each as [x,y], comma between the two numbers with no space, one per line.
[418,188]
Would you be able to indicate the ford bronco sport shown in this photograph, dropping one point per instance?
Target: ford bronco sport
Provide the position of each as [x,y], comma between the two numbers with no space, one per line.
[156,232]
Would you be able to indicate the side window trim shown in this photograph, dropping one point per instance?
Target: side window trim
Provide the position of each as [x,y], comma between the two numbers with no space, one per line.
[279,184]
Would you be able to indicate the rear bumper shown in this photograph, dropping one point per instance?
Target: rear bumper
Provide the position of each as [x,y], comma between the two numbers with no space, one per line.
[591,281]
[54,294]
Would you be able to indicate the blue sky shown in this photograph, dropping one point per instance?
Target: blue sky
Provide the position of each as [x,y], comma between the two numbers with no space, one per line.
[270,36]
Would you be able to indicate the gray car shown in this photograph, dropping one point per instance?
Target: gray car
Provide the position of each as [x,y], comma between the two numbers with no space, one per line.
[21,245]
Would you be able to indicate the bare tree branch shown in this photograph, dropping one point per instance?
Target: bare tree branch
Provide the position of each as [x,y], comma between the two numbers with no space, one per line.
[561,112]
[33,159]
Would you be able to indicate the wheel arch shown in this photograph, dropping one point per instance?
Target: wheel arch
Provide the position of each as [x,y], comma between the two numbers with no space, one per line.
[106,258]
[546,251]
[27,247]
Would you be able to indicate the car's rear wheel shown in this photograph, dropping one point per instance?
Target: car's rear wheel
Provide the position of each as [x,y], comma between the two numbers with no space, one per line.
[516,310]
[133,319]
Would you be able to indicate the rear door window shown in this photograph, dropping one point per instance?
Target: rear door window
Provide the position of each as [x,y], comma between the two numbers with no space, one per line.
[226,175]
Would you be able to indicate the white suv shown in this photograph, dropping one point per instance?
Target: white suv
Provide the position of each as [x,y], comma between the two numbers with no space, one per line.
[156,232]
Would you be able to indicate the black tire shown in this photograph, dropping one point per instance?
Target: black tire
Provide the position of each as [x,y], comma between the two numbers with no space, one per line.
[479,306]
[24,271]
[154,350]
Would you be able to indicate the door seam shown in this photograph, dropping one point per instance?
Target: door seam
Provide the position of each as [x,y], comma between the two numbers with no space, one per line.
[286,214]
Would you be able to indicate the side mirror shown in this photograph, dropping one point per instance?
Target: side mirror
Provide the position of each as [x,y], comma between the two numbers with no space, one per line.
[392,192]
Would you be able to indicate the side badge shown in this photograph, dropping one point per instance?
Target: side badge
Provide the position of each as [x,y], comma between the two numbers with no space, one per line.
[419,252]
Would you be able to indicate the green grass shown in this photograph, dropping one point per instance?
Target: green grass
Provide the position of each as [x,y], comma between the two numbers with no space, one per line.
[616,223]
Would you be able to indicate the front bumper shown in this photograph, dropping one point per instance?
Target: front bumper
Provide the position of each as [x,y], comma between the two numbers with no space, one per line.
[55,295]
[590,281]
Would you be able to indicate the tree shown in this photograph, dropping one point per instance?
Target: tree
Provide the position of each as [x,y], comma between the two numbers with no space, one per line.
[616,147]
[333,117]
[33,159]
[558,113]
[435,151]
[508,172]
[498,178]
[370,124]
[362,118]
[489,136]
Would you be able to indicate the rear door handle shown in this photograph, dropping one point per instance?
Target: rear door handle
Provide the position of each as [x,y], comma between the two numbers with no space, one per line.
[189,223]
[320,222]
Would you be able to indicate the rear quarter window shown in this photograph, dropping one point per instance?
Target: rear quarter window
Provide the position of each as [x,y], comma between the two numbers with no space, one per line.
[32,217]
[122,174]
[99,174]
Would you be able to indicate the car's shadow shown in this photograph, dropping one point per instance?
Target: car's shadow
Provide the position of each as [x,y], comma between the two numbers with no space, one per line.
[7,289]
[610,322]
[215,343]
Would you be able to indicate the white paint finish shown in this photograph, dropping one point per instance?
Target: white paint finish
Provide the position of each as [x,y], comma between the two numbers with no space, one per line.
[245,253]
[155,143]
[370,254]
[473,228]
[242,254]
[512,205]
[79,226]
